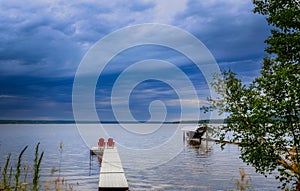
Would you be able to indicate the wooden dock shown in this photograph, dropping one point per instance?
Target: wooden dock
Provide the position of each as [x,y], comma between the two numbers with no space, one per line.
[96,151]
[112,175]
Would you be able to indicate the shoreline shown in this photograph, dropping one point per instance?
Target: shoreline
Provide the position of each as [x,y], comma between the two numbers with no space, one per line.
[218,121]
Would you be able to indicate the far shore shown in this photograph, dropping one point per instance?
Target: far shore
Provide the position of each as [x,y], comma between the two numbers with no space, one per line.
[206,121]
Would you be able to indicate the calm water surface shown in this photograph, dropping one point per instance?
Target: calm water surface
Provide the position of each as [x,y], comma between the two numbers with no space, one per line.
[205,168]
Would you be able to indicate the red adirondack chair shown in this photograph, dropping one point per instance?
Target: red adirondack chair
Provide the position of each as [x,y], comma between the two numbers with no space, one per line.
[101,143]
[110,143]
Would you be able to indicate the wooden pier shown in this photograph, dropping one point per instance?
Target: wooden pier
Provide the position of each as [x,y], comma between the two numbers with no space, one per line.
[112,175]
[96,151]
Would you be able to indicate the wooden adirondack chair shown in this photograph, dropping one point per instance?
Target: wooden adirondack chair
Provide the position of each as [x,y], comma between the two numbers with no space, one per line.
[101,143]
[110,143]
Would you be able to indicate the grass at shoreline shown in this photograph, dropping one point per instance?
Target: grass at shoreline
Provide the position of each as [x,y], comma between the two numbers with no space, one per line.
[16,177]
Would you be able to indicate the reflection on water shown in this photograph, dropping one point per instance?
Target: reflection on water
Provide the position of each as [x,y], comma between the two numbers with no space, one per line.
[204,168]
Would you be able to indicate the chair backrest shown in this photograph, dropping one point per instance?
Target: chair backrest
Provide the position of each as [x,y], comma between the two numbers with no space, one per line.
[101,143]
[110,142]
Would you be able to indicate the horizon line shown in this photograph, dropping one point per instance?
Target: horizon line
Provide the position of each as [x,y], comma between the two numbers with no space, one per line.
[62,121]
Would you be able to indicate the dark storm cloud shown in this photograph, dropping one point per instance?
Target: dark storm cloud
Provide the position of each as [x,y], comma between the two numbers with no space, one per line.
[43,42]
[228,28]
[29,97]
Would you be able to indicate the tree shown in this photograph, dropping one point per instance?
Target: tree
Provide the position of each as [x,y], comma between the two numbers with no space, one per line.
[264,115]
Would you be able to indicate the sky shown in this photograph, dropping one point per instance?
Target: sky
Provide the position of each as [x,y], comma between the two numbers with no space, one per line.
[42,44]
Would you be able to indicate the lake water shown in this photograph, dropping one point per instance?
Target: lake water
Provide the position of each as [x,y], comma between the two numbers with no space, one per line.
[153,158]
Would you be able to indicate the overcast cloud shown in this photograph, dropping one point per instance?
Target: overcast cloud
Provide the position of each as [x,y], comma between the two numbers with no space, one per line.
[43,42]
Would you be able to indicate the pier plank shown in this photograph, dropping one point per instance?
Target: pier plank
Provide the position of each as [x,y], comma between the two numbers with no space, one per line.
[111,167]
[113,180]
